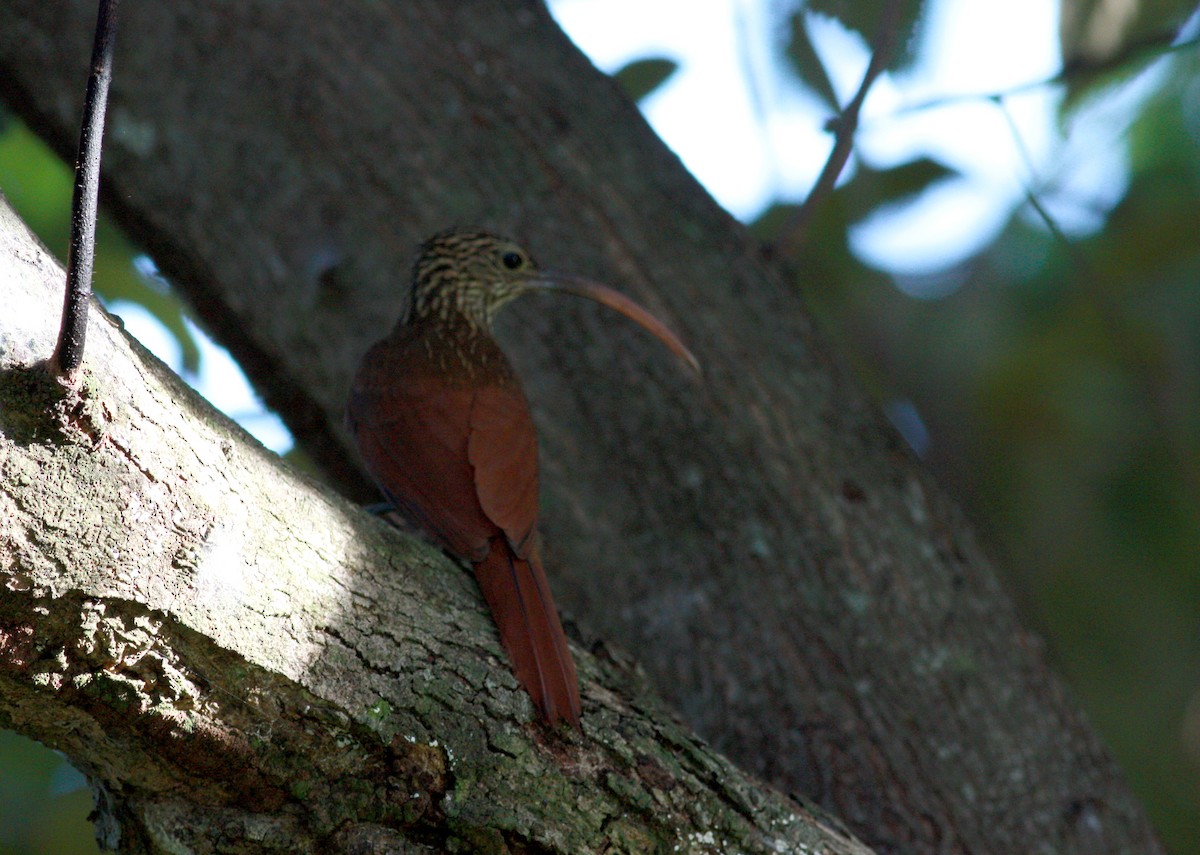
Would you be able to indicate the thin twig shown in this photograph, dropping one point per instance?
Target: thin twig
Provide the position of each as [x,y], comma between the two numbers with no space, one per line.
[1081,263]
[1146,49]
[844,126]
[68,353]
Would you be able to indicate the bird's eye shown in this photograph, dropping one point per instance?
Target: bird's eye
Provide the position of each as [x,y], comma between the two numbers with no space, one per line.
[512,260]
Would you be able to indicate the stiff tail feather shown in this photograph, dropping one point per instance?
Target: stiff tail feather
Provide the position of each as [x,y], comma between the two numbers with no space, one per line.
[519,596]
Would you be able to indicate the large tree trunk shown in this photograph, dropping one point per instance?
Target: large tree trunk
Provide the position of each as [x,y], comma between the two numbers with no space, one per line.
[787,574]
[242,662]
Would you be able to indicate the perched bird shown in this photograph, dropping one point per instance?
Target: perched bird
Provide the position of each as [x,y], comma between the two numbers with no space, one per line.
[445,430]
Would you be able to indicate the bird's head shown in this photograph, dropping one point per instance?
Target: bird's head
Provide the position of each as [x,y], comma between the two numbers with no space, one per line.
[467,276]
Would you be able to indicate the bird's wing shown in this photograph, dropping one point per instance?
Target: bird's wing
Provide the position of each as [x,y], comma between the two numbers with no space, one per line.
[413,434]
[502,451]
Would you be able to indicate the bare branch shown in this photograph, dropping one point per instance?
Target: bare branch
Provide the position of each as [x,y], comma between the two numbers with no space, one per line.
[68,353]
[844,127]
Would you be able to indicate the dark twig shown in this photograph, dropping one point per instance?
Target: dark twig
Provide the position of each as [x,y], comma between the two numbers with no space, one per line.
[68,353]
[844,126]
[1031,196]
[1077,70]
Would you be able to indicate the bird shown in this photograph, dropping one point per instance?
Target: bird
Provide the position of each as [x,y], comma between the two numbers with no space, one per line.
[444,428]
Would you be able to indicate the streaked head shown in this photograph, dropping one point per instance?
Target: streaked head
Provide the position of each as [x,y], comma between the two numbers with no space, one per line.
[468,276]
[471,274]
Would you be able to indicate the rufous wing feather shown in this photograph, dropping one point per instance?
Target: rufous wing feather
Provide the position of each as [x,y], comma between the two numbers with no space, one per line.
[502,450]
[413,437]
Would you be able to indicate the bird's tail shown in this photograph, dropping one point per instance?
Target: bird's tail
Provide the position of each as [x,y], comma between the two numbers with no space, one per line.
[518,594]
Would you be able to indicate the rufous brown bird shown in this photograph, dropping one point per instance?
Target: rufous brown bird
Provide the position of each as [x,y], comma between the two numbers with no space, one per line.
[445,430]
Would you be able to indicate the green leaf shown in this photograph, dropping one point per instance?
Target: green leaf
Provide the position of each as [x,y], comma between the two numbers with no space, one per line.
[807,64]
[643,76]
[866,17]
[908,179]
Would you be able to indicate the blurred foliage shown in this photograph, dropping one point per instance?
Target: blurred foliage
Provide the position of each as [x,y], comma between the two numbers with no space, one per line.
[642,76]
[803,60]
[44,803]
[1060,382]
[864,18]
[1103,42]
[1095,31]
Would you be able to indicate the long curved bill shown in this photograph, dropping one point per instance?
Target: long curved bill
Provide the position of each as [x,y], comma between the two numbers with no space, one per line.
[605,296]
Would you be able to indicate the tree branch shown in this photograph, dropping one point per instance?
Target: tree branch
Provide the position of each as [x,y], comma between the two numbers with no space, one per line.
[237,657]
[844,127]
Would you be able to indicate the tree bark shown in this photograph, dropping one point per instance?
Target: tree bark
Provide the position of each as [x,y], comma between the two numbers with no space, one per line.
[789,576]
[243,662]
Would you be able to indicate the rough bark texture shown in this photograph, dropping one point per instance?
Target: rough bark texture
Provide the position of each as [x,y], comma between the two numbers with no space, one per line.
[242,662]
[787,574]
